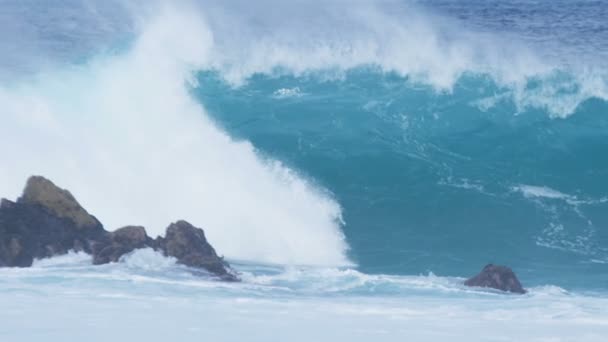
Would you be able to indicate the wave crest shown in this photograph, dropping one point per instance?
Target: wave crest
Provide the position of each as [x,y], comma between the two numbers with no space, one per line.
[124,135]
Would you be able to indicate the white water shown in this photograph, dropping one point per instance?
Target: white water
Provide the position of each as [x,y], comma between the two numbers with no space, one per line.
[146,298]
[123,134]
[533,191]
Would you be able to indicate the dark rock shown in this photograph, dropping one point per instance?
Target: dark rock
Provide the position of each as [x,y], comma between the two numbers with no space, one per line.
[47,221]
[497,277]
[122,241]
[59,202]
[29,232]
[4,203]
[190,247]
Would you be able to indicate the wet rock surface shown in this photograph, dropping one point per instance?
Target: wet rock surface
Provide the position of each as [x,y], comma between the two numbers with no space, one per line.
[41,192]
[120,242]
[47,221]
[189,245]
[497,277]
[31,231]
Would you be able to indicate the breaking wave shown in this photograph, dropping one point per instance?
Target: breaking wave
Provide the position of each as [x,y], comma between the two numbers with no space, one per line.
[156,121]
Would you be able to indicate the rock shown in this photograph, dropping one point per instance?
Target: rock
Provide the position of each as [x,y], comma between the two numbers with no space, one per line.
[122,241]
[497,277]
[134,236]
[4,203]
[14,255]
[190,247]
[29,232]
[47,221]
[40,191]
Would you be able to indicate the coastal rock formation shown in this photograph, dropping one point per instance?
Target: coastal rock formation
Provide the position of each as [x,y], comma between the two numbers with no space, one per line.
[497,277]
[189,245]
[120,242]
[47,221]
[41,192]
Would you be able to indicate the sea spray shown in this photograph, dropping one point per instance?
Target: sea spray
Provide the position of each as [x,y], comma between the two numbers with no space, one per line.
[124,134]
[434,136]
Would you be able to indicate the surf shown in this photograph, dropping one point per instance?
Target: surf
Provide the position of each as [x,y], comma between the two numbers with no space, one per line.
[160,122]
[123,132]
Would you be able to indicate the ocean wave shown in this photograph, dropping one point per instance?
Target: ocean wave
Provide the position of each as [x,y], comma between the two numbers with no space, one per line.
[146,267]
[124,134]
[128,133]
[202,309]
[430,145]
[327,39]
[403,39]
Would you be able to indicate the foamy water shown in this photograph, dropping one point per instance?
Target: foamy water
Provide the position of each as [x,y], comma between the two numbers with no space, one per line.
[355,163]
[148,297]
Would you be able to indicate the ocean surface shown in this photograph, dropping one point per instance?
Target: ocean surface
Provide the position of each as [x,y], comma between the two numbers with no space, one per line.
[354,161]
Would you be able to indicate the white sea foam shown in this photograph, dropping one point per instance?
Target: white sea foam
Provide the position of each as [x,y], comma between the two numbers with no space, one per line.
[123,134]
[544,192]
[328,37]
[296,304]
[532,191]
[287,92]
[148,259]
[463,183]
[69,259]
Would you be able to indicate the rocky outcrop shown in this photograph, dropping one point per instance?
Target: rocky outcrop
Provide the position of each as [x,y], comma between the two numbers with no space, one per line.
[47,221]
[497,277]
[59,202]
[189,245]
[31,231]
[120,242]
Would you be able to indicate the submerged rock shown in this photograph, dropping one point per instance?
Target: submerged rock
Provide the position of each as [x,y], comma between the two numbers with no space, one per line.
[497,277]
[47,221]
[189,245]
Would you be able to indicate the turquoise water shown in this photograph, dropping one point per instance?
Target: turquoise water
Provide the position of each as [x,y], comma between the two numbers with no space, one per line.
[433,181]
[355,163]
[146,296]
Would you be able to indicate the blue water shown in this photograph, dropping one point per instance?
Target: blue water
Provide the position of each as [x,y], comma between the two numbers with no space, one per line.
[427,180]
[354,162]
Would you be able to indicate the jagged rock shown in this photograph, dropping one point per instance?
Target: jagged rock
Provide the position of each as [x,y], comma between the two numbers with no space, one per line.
[47,221]
[29,232]
[497,277]
[122,241]
[189,246]
[40,191]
